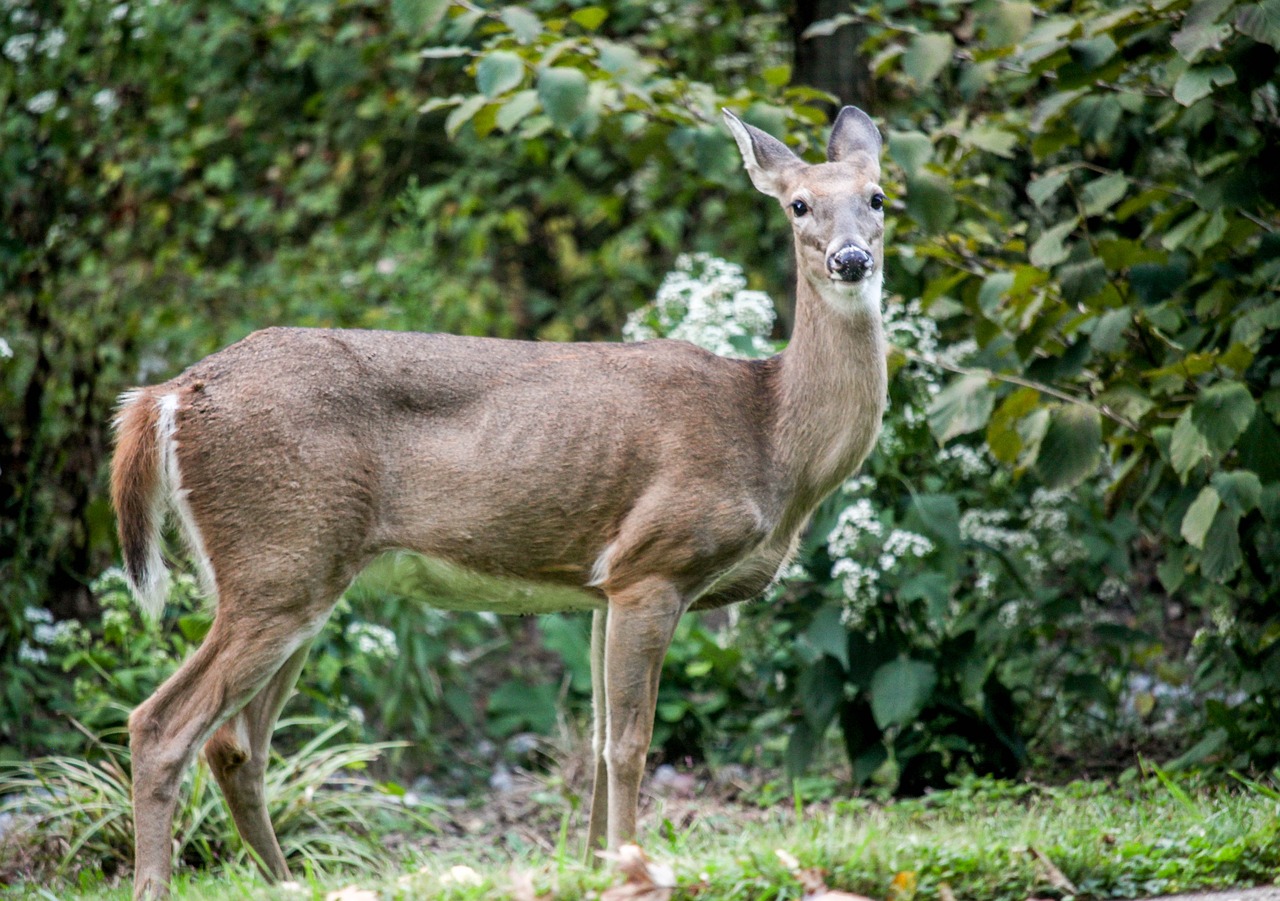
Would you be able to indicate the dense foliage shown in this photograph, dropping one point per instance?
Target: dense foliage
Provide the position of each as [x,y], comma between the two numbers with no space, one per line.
[1066,540]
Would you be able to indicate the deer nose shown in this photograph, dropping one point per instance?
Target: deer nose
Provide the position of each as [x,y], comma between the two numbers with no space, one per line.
[849,264]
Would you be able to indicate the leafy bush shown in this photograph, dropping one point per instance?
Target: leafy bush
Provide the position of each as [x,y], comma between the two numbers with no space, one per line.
[326,817]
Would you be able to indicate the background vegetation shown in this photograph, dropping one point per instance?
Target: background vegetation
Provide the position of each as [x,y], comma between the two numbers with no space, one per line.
[1063,551]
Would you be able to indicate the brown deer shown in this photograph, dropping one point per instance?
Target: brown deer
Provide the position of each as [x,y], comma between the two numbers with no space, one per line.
[637,481]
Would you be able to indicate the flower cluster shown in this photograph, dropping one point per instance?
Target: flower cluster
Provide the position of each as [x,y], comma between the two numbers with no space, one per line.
[372,640]
[705,301]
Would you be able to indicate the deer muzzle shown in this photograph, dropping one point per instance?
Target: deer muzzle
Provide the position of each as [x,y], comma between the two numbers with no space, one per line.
[849,264]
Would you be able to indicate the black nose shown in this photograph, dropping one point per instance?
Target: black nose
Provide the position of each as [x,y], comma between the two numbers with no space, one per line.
[849,263]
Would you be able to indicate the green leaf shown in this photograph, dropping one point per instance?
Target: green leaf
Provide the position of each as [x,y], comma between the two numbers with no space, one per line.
[829,635]
[1049,249]
[1199,516]
[991,139]
[899,691]
[563,92]
[1003,24]
[1222,556]
[927,55]
[931,202]
[821,689]
[1198,82]
[499,72]
[1103,193]
[463,113]
[1240,490]
[1072,446]
[1261,21]
[523,24]
[590,17]
[777,76]
[1108,334]
[1187,447]
[963,406]
[415,16]
[911,150]
[1201,29]
[1045,186]
[1222,412]
[521,104]
[994,288]
[801,746]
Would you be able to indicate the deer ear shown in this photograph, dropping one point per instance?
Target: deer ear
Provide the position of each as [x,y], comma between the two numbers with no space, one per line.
[854,132]
[768,161]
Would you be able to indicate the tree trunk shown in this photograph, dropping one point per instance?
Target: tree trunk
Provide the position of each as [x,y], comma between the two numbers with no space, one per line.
[831,63]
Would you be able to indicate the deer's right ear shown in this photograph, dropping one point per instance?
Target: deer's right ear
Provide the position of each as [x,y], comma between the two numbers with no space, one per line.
[768,161]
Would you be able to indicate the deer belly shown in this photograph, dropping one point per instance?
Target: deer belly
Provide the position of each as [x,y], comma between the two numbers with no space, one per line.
[445,585]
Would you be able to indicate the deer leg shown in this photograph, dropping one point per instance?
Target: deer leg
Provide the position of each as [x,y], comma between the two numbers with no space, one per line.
[237,755]
[600,784]
[230,667]
[642,621]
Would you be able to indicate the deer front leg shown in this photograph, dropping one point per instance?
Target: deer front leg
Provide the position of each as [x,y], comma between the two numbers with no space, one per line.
[641,622]
[600,783]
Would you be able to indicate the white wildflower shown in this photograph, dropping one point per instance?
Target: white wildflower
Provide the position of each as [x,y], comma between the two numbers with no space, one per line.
[1112,589]
[119,11]
[34,614]
[18,47]
[1008,614]
[51,44]
[956,354]
[386,266]
[106,101]
[972,463]
[32,655]
[6,352]
[705,301]
[372,640]
[855,521]
[988,527]
[43,102]
[1068,553]
[902,543]
[860,585]
[53,633]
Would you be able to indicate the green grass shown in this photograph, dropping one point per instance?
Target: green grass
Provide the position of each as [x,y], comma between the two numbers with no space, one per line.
[1143,836]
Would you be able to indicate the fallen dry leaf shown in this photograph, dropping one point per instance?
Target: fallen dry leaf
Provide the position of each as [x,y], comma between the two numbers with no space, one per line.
[351,893]
[903,885]
[461,875]
[522,887]
[644,879]
[945,893]
[813,881]
[1051,872]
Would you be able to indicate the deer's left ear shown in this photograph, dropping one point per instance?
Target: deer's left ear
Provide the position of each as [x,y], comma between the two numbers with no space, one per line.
[854,132]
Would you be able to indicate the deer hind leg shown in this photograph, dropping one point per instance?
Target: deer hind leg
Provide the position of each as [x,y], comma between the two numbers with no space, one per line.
[231,666]
[642,621]
[237,755]
[600,784]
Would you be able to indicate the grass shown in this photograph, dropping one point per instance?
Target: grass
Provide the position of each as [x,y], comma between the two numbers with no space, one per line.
[982,840]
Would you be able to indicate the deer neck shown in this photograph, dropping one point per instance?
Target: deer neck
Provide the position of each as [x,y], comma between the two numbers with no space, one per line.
[831,390]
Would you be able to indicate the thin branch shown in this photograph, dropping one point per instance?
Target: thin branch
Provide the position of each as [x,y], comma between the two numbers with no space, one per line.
[1023,383]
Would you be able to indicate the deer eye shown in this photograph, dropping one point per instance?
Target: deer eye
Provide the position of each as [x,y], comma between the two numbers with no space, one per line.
[877,201]
[799,207]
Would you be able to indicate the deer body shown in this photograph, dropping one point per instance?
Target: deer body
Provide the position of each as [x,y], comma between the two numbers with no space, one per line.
[636,481]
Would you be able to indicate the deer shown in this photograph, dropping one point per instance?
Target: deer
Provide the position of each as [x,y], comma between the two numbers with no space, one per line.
[636,481]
